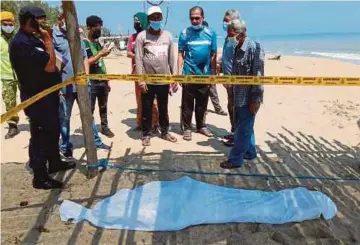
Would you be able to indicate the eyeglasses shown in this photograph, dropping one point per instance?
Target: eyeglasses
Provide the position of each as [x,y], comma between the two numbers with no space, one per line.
[195,18]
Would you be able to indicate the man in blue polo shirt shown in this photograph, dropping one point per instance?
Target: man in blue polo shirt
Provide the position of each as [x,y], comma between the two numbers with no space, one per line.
[33,58]
[69,94]
[197,54]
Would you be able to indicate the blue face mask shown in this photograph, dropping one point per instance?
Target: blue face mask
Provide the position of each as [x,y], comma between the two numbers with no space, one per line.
[8,29]
[156,25]
[196,28]
[225,26]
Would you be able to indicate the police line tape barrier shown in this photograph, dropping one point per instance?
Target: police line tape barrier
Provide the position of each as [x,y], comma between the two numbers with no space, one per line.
[81,79]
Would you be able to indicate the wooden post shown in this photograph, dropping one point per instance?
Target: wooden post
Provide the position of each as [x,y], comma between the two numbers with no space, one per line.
[73,36]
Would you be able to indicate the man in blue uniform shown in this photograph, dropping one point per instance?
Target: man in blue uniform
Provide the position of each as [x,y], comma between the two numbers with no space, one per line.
[197,55]
[33,58]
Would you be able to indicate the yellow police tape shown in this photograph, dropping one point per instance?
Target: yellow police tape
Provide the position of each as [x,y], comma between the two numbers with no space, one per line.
[81,79]
[238,80]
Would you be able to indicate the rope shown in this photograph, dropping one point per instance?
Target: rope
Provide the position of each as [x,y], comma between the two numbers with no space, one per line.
[105,164]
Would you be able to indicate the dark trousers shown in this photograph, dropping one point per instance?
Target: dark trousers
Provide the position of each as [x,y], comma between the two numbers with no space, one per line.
[44,131]
[230,106]
[101,93]
[214,97]
[162,96]
[197,94]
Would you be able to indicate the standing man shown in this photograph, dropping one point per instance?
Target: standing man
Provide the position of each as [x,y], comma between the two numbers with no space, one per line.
[99,88]
[248,61]
[227,66]
[9,83]
[69,94]
[141,23]
[154,49]
[197,55]
[33,58]
[214,97]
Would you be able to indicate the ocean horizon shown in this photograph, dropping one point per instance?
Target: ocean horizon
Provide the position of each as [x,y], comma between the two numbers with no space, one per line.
[339,46]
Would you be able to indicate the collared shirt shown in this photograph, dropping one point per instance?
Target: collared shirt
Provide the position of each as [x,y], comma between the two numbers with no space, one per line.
[248,61]
[198,46]
[29,59]
[228,56]
[61,45]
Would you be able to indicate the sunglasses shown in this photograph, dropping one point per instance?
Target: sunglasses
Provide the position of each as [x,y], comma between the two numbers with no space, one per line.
[195,18]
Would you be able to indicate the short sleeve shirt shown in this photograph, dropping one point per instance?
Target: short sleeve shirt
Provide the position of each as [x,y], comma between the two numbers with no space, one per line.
[198,46]
[61,45]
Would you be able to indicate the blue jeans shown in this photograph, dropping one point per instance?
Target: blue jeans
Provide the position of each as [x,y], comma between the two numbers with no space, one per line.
[66,104]
[244,146]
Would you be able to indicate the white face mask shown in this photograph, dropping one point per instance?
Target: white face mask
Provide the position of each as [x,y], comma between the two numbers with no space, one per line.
[233,41]
[8,29]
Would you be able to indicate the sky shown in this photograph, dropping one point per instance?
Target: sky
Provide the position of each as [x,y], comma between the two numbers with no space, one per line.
[263,18]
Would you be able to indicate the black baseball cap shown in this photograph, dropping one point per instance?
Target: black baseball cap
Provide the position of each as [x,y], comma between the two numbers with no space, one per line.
[32,11]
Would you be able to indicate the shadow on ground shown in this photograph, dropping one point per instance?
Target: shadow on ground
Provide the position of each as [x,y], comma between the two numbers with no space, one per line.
[291,153]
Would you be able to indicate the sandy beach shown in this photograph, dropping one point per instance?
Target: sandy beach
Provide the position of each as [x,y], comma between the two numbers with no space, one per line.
[300,130]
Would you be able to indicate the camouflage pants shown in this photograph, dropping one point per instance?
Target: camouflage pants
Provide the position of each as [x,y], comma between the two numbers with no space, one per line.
[9,89]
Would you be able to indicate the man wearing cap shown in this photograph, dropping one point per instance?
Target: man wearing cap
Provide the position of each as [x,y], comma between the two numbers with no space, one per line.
[33,58]
[154,50]
[197,56]
[69,94]
[9,83]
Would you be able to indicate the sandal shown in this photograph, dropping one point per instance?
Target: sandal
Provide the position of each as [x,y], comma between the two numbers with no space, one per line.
[206,132]
[187,135]
[145,141]
[229,165]
[169,137]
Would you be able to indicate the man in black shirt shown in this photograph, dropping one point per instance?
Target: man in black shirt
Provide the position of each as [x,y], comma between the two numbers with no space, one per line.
[33,58]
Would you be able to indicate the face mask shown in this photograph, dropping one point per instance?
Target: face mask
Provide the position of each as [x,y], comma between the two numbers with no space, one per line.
[8,29]
[225,26]
[96,34]
[233,41]
[137,27]
[155,25]
[196,28]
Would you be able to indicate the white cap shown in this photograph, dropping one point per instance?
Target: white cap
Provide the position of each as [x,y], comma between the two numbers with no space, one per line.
[153,10]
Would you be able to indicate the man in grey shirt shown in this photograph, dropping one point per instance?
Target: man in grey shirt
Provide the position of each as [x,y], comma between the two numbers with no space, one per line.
[154,50]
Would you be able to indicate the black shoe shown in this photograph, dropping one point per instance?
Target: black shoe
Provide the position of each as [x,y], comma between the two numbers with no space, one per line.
[59,166]
[13,130]
[47,184]
[103,146]
[107,132]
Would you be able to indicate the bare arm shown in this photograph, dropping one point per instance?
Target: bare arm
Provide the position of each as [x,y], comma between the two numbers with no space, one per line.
[180,61]
[86,66]
[213,63]
[94,59]
[49,48]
